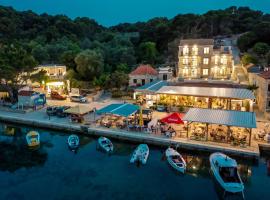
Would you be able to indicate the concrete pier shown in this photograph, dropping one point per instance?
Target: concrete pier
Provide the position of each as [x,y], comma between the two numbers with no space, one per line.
[39,119]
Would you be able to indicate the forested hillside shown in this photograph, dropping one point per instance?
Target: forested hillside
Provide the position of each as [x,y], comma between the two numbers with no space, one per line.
[96,55]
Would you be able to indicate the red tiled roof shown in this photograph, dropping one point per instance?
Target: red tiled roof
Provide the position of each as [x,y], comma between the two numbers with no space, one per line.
[25,93]
[144,70]
[265,74]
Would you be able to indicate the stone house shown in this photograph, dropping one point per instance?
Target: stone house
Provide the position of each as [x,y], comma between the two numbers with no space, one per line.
[142,75]
[262,80]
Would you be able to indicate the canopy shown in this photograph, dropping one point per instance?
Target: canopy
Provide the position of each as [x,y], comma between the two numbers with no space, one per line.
[223,117]
[124,110]
[152,86]
[79,110]
[230,93]
[174,118]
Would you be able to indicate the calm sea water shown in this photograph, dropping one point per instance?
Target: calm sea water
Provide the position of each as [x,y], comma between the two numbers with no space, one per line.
[54,172]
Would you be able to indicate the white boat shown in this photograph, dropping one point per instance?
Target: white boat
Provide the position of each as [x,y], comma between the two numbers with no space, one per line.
[33,139]
[225,171]
[105,144]
[140,154]
[176,160]
[73,142]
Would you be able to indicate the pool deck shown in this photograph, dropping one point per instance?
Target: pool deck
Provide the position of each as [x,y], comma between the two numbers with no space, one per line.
[41,120]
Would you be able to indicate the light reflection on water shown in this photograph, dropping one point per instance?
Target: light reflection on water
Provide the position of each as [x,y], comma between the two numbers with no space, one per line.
[54,172]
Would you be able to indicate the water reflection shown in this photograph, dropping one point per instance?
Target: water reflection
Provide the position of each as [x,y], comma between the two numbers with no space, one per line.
[15,153]
[91,169]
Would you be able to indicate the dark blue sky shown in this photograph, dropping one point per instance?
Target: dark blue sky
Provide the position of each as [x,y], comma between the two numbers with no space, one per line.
[111,12]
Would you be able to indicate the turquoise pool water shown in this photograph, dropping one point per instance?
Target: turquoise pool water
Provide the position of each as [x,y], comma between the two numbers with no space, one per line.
[54,172]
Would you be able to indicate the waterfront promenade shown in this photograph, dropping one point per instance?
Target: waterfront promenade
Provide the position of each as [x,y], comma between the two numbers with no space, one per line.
[41,120]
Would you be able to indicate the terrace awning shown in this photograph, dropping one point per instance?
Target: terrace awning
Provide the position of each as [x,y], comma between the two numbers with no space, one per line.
[79,110]
[230,93]
[124,110]
[152,86]
[222,117]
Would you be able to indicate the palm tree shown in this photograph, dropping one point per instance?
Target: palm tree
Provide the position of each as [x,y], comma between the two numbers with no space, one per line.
[252,87]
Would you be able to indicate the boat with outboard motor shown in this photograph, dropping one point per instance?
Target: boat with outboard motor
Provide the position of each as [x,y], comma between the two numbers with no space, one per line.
[225,172]
[73,142]
[105,144]
[140,154]
[32,139]
[176,160]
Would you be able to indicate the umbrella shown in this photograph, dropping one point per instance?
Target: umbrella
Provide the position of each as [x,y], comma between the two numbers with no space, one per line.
[174,118]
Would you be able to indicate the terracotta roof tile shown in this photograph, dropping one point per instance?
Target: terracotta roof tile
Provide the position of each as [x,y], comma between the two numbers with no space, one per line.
[144,70]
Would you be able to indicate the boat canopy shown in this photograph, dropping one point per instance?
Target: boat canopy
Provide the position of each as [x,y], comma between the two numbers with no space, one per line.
[222,117]
[123,109]
[226,162]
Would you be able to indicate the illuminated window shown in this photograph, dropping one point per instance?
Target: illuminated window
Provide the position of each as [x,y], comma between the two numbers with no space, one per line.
[185,61]
[194,62]
[223,60]
[216,60]
[205,61]
[205,71]
[185,71]
[222,71]
[195,50]
[185,50]
[206,50]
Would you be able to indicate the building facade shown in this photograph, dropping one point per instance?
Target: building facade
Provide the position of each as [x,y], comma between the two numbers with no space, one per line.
[142,75]
[202,58]
[262,81]
[165,73]
[56,75]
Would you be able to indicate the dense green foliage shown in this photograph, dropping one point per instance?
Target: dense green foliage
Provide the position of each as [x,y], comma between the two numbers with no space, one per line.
[100,56]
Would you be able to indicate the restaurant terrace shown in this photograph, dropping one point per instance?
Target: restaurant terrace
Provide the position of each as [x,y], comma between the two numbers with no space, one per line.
[199,97]
[226,126]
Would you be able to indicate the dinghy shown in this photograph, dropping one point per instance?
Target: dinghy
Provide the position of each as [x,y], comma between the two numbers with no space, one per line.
[176,160]
[33,139]
[105,144]
[140,154]
[225,171]
[73,142]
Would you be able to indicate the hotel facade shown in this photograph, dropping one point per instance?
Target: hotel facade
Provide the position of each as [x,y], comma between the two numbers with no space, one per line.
[203,58]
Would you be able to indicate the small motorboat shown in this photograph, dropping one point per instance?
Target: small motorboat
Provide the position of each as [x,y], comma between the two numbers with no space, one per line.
[140,154]
[73,142]
[225,171]
[33,139]
[176,160]
[105,144]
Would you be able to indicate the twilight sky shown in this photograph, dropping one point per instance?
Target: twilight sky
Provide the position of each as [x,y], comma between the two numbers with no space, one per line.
[111,12]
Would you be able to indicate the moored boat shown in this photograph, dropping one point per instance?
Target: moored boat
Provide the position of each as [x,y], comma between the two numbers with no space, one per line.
[105,144]
[176,160]
[33,139]
[140,154]
[73,142]
[225,172]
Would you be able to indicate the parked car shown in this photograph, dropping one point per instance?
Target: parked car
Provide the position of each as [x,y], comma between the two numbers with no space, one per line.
[80,99]
[161,108]
[57,96]
[51,110]
[60,111]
